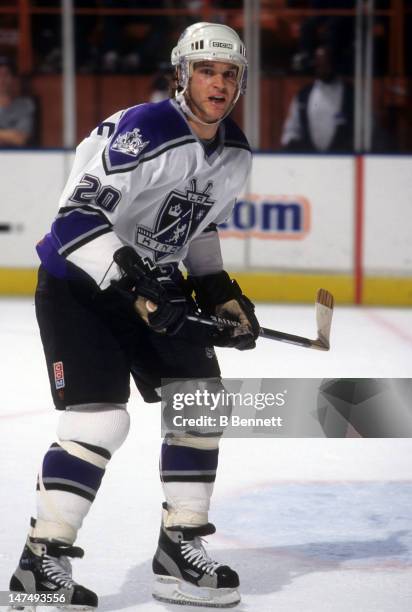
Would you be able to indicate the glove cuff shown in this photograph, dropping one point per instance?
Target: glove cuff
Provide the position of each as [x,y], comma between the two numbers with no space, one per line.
[212,289]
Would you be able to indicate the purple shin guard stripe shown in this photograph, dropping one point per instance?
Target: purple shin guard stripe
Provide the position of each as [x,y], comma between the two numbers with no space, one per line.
[184,459]
[59,464]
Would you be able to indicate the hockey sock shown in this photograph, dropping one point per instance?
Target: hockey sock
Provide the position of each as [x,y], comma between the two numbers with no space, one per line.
[67,486]
[188,474]
[72,469]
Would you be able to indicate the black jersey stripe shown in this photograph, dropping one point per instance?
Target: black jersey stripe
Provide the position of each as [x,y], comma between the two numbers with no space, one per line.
[237,145]
[89,209]
[147,158]
[212,227]
[167,148]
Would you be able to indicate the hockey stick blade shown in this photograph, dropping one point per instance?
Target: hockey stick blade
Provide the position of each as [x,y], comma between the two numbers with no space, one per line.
[324,312]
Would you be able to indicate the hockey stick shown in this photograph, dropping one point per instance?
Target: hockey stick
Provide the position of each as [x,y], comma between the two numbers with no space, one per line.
[324,311]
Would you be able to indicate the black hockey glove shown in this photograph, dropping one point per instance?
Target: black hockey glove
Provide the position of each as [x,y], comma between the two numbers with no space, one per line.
[217,295]
[157,298]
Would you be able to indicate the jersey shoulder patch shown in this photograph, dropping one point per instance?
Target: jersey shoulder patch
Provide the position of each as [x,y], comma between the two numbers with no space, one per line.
[144,132]
[234,137]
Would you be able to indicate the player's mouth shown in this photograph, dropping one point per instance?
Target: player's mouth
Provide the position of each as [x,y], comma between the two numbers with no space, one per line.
[218,102]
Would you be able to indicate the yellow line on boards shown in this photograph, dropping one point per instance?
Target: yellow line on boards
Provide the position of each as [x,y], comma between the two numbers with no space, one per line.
[17,281]
[268,287]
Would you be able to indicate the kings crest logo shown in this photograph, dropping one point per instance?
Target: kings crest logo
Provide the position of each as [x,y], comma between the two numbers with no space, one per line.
[177,220]
[130,143]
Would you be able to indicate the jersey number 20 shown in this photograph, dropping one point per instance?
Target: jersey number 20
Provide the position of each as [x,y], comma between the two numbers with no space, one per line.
[90,191]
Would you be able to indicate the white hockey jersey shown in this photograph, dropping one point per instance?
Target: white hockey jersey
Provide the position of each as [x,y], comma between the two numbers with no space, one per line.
[143,178]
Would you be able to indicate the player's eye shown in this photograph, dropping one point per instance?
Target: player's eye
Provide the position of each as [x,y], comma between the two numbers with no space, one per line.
[231,75]
[207,71]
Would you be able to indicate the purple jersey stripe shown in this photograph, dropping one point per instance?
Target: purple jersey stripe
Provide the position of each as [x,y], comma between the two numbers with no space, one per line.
[143,129]
[76,225]
[50,258]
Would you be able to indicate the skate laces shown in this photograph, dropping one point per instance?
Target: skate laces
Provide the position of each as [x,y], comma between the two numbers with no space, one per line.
[57,571]
[194,552]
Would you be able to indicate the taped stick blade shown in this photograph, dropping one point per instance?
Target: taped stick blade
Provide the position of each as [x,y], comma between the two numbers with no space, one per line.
[324,311]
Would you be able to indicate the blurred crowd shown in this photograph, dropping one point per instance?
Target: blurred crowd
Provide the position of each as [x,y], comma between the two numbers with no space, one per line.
[17,113]
[112,43]
[139,43]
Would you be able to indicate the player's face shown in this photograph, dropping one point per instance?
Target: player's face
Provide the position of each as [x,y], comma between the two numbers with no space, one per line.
[212,87]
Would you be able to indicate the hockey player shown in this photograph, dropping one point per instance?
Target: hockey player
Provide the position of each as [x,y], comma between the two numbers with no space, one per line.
[146,191]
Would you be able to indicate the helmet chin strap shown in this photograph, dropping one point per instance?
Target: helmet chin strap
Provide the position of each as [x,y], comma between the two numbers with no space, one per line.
[182,101]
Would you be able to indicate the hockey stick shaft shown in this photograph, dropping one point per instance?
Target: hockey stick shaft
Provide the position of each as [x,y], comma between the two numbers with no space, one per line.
[270,334]
[273,334]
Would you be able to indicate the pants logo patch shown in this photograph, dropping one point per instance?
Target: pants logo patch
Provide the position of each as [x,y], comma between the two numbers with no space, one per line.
[58,374]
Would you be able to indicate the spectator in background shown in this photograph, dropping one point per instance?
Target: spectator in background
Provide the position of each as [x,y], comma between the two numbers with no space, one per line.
[162,85]
[337,31]
[320,116]
[16,113]
[132,43]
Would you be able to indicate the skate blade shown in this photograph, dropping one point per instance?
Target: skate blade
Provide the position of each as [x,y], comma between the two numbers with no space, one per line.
[168,589]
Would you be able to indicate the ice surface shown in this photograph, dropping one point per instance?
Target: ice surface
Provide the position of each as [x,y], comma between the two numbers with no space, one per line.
[312,525]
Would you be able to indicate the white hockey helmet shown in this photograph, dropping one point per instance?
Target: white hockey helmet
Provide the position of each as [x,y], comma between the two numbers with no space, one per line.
[209,41]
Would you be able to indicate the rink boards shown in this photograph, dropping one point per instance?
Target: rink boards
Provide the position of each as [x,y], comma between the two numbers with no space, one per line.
[341,222]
